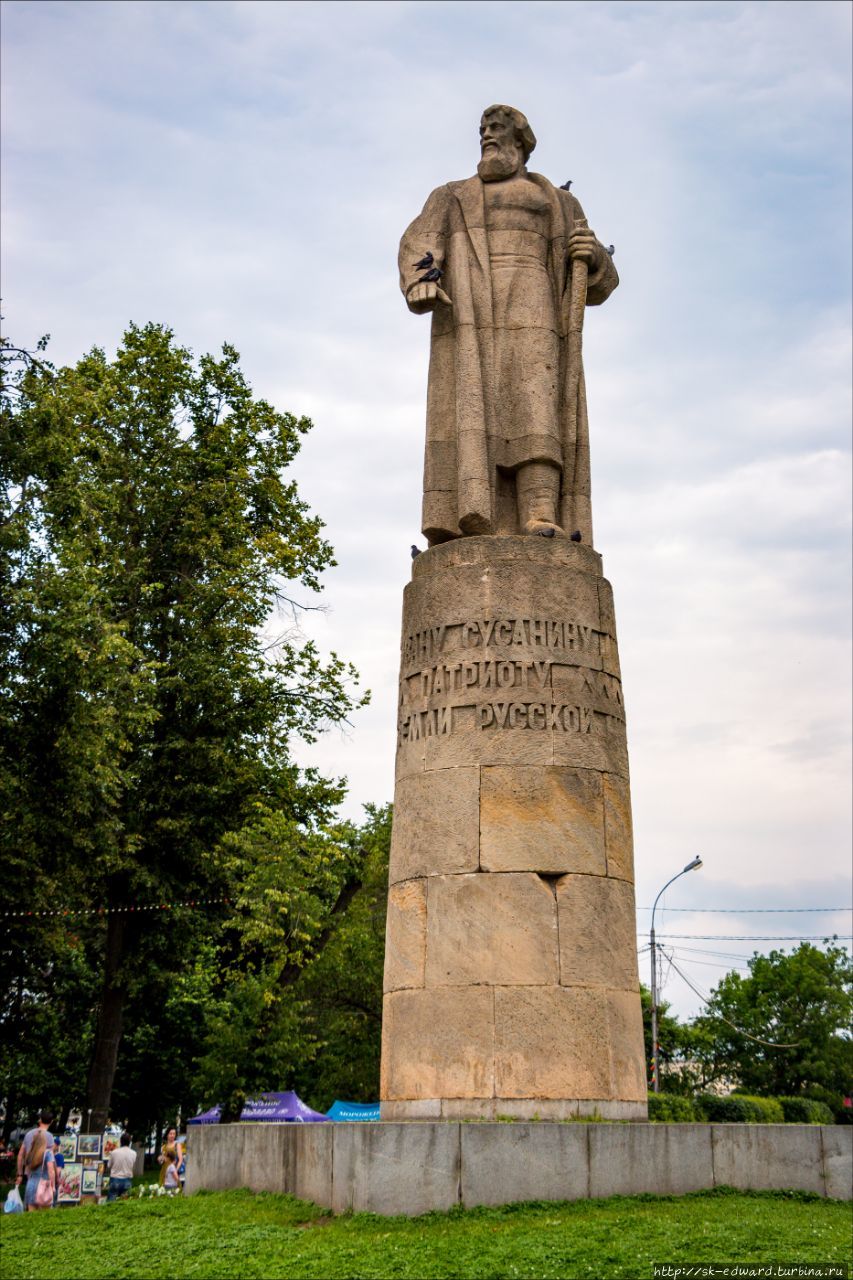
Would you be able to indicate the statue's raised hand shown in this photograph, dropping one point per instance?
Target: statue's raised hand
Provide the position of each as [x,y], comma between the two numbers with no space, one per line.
[425,296]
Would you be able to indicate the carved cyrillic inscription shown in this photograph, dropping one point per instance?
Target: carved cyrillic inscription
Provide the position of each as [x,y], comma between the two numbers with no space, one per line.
[526,631]
[456,677]
[438,721]
[433,723]
[423,647]
[512,673]
[535,715]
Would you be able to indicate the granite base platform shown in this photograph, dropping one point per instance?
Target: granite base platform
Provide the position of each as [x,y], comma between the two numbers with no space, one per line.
[411,1168]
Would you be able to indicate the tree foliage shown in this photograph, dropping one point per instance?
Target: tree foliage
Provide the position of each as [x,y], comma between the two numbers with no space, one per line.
[671,1033]
[343,983]
[785,1028]
[300,991]
[782,1031]
[149,536]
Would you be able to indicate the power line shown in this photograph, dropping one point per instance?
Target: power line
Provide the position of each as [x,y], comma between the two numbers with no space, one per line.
[747,911]
[710,951]
[713,964]
[705,1000]
[756,937]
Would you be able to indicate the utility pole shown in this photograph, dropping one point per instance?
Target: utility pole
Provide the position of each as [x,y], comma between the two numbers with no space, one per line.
[691,866]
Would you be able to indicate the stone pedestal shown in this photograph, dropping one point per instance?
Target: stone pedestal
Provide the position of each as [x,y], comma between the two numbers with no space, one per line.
[511,963]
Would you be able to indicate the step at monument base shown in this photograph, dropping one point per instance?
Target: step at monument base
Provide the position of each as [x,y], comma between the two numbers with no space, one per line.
[514,1109]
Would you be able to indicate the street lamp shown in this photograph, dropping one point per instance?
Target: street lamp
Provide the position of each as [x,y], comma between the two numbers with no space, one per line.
[691,866]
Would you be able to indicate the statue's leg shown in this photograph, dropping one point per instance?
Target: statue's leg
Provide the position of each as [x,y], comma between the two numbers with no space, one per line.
[537,487]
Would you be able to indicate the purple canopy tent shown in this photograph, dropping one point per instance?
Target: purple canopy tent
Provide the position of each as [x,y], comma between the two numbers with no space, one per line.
[278,1108]
[212,1116]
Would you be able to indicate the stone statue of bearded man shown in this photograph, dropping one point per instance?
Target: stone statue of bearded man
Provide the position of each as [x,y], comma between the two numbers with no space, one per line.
[507,440]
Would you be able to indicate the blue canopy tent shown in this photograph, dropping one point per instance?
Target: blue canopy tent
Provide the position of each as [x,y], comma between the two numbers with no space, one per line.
[279,1108]
[348,1111]
[212,1116]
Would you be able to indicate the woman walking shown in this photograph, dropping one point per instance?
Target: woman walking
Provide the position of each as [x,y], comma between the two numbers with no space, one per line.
[41,1175]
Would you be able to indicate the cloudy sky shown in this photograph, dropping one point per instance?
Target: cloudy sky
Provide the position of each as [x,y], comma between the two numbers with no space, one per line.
[243,172]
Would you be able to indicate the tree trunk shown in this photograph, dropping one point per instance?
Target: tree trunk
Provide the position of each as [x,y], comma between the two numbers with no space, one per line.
[108,1035]
[9,1120]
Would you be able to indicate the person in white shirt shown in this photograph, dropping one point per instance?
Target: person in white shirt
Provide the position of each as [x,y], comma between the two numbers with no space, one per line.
[122,1161]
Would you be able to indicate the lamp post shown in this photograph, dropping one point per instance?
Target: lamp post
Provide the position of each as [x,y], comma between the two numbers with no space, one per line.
[691,866]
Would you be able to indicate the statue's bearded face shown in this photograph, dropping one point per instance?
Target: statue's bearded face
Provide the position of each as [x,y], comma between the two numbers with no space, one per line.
[502,154]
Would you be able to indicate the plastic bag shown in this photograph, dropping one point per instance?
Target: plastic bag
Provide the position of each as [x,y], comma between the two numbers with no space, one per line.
[14,1203]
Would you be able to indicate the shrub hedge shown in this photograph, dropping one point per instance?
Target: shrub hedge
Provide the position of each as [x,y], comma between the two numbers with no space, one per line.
[668,1106]
[737,1108]
[740,1108]
[806,1111]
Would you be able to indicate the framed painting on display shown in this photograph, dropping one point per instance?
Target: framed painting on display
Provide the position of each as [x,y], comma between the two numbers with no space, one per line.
[89,1144]
[68,1146]
[69,1182]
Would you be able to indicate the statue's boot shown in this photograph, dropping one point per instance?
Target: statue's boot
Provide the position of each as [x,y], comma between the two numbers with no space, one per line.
[545,528]
[537,487]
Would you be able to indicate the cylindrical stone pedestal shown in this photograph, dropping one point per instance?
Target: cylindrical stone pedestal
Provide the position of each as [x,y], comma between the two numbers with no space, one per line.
[511,962]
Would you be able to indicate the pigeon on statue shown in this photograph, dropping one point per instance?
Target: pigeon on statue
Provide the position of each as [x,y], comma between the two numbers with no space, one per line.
[432,276]
[576,536]
[416,551]
[565,186]
[425,263]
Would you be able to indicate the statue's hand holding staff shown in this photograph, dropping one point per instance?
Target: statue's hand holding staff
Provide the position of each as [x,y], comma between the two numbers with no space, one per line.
[425,296]
[584,246]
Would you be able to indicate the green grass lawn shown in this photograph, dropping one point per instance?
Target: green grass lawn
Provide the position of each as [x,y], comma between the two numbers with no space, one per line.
[236,1234]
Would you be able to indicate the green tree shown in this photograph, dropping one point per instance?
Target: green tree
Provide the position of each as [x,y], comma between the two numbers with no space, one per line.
[148,537]
[300,993]
[44,1015]
[342,985]
[785,1028]
[153,1084]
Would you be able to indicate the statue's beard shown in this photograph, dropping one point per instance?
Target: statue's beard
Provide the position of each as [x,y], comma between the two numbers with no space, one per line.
[499,162]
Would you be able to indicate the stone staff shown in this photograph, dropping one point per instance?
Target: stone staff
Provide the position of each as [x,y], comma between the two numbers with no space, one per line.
[576,441]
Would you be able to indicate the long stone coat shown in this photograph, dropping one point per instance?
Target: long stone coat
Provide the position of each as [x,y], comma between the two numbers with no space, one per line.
[466,396]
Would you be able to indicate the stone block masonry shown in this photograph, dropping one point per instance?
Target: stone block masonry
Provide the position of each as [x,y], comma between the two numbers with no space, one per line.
[414,1168]
[511,981]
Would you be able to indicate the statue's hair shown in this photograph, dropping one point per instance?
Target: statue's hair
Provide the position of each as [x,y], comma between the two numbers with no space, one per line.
[523,132]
